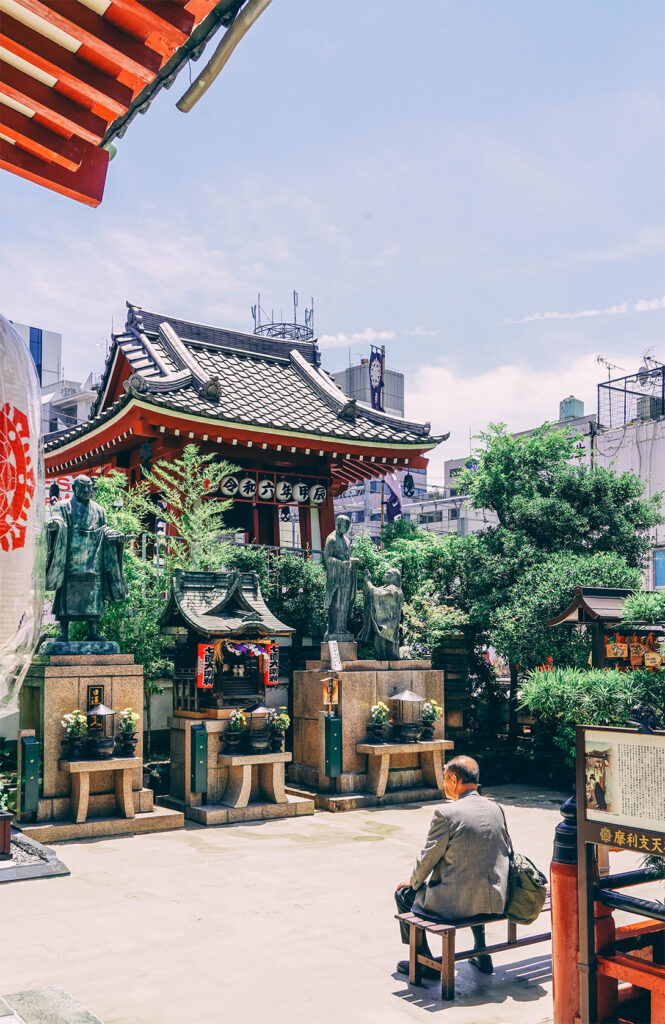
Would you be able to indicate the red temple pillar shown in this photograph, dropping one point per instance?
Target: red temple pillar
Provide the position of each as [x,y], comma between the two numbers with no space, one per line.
[305,527]
[326,517]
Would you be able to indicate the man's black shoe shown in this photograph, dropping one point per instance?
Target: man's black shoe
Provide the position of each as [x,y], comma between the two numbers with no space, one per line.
[483,963]
[426,972]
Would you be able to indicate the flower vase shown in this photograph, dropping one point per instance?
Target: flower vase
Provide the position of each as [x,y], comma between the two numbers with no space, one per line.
[232,741]
[376,731]
[72,748]
[428,732]
[125,744]
[277,743]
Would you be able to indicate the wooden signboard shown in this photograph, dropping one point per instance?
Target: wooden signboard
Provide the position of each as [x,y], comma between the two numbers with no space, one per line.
[621,803]
[205,666]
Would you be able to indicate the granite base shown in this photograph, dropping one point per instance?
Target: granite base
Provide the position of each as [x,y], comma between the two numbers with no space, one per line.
[160,819]
[222,814]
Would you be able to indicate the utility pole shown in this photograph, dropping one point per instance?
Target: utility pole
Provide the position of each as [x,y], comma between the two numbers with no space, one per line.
[383,506]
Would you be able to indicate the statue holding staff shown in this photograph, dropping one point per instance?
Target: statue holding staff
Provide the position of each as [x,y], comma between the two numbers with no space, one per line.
[382,614]
[83,561]
[341,580]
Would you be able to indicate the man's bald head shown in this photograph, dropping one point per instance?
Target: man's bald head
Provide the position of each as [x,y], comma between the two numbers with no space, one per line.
[465,770]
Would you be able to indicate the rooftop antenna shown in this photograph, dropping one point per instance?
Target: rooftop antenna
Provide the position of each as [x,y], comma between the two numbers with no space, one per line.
[268,327]
[610,366]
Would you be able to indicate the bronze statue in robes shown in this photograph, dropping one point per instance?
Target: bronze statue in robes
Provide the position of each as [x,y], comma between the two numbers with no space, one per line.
[382,614]
[83,561]
[341,580]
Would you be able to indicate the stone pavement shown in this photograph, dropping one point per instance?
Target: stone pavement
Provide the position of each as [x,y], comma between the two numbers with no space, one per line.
[282,921]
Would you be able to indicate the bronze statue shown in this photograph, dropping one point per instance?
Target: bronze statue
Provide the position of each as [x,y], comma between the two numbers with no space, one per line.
[83,561]
[382,614]
[341,580]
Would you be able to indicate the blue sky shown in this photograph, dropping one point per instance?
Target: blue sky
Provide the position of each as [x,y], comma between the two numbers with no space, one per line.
[439,176]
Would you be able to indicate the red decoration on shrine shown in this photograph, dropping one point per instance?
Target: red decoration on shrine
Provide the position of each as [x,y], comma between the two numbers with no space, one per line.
[17,477]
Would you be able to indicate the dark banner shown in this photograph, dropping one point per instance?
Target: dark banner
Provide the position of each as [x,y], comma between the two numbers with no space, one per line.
[376,374]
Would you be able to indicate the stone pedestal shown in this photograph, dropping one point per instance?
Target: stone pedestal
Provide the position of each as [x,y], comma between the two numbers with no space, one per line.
[54,686]
[240,787]
[362,684]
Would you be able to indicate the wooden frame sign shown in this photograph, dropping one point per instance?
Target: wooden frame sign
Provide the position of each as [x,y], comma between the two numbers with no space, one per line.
[620,803]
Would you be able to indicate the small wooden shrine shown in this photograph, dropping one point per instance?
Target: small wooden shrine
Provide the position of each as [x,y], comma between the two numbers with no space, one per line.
[225,654]
[616,643]
[225,642]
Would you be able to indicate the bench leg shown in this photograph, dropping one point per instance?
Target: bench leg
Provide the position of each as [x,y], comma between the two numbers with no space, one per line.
[448,965]
[431,762]
[512,931]
[377,773]
[415,947]
[80,795]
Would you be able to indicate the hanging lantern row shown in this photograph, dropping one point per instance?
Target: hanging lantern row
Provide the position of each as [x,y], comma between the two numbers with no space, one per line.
[247,487]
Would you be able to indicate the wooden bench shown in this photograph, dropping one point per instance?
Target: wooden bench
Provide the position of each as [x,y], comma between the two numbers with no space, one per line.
[417,959]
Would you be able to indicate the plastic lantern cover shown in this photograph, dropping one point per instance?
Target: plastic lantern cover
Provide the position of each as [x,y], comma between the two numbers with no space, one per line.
[22,502]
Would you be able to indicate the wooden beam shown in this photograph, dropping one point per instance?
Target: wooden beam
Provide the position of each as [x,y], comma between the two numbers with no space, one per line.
[123,51]
[86,80]
[85,185]
[39,140]
[167,19]
[57,109]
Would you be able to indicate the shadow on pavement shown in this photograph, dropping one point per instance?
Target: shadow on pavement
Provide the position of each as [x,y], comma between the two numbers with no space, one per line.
[520,981]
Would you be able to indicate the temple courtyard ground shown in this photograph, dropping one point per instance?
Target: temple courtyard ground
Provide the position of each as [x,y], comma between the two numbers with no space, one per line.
[282,921]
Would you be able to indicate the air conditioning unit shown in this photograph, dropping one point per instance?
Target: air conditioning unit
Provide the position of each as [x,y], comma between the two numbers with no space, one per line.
[650,407]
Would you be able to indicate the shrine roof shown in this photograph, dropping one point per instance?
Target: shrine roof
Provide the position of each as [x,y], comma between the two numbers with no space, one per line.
[254,381]
[225,602]
[593,604]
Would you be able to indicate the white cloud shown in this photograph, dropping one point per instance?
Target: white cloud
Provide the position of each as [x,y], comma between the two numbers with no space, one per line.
[521,396]
[641,306]
[341,340]
[421,332]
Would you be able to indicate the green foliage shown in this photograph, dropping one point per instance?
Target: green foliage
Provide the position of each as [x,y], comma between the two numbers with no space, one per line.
[185,484]
[646,606]
[400,529]
[518,628]
[249,560]
[297,595]
[430,624]
[537,492]
[565,697]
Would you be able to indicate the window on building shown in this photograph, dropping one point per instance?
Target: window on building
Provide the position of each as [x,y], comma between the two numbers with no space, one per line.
[358,517]
[375,486]
[659,568]
[453,513]
[431,517]
[36,349]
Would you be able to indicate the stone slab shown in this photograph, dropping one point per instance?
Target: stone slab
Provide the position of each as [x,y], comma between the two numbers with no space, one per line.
[49,1006]
[231,760]
[160,819]
[222,814]
[353,801]
[108,764]
[48,867]
[378,749]
[79,647]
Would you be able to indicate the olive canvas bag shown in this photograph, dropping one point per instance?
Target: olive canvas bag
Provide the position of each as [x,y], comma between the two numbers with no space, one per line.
[527,887]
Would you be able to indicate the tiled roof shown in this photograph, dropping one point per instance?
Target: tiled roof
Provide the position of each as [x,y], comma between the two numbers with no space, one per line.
[242,378]
[222,602]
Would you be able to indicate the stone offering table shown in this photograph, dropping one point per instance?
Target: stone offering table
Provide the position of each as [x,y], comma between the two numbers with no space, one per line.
[56,684]
[361,684]
[238,787]
[80,771]
[270,769]
[378,762]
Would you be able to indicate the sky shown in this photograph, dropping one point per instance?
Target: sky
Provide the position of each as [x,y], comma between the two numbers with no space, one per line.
[480,186]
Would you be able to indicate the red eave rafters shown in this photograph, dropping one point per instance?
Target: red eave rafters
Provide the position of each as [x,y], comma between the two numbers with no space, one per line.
[118,54]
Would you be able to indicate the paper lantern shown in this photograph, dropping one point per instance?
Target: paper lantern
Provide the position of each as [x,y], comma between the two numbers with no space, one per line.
[317,494]
[266,491]
[247,487]
[301,491]
[229,486]
[284,491]
[22,504]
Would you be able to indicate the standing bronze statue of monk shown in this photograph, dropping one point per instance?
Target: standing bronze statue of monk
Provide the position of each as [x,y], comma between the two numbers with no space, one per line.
[83,561]
[341,580]
[382,615]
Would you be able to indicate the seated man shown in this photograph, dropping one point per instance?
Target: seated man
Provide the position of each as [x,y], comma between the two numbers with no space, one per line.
[466,860]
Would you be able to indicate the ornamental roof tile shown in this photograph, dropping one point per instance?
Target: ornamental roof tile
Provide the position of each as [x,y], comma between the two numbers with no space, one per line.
[242,378]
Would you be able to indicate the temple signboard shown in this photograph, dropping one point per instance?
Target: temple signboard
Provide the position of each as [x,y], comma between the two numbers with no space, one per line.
[624,784]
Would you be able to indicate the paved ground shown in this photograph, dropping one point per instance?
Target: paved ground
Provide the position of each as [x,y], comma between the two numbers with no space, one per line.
[287,921]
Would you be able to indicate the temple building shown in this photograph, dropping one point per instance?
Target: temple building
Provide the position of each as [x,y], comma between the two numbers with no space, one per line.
[263,403]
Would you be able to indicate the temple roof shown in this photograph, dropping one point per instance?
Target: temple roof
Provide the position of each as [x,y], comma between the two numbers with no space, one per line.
[269,383]
[221,603]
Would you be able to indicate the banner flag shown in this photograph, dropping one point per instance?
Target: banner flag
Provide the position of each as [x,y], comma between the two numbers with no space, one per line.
[394,502]
[377,366]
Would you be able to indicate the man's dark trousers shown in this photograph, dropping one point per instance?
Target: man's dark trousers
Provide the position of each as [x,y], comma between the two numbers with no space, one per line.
[404,897]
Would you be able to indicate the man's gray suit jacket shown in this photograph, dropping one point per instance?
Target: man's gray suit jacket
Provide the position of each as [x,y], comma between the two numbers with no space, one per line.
[466,860]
